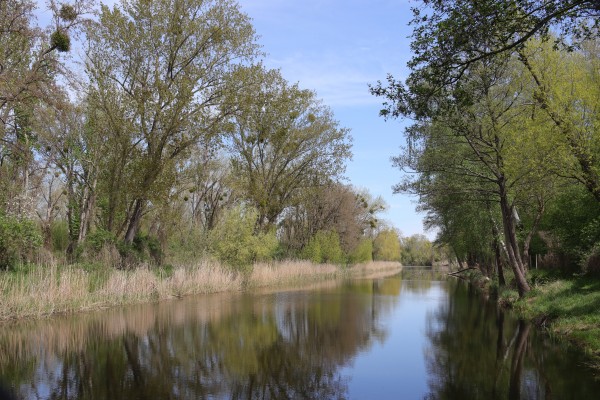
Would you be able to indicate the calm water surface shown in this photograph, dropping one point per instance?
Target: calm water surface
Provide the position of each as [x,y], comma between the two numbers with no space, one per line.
[403,337]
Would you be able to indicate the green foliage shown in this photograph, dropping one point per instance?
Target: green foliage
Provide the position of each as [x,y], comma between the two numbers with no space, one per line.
[99,238]
[417,250]
[386,246]
[507,297]
[19,238]
[60,235]
[324,247]
[148,247]
[363,253]
[574,219]
[234,240]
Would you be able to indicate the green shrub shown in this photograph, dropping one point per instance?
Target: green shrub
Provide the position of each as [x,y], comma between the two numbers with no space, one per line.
[148,247]
[363,252]
[99,238]
[60,236]
[234,242]
[324,247]
[386,246]
[19,238]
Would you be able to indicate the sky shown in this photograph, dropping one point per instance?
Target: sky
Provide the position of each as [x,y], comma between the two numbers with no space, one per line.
[337,48]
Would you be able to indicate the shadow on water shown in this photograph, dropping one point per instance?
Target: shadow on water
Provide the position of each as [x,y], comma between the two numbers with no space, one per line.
[304,344]
[462,363]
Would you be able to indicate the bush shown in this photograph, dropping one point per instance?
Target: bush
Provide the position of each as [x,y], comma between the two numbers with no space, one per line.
[60,236]
[591,261]
[100,238]
[19,238]
[234,242]
[386,246]
[148,247]
[324,247]
[363,253]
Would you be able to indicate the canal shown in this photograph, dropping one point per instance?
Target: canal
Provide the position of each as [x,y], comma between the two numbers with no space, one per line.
[407,336]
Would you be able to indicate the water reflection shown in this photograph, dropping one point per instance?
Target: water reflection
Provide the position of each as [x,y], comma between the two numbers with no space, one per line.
[373,338]
[477,352]
[286,345]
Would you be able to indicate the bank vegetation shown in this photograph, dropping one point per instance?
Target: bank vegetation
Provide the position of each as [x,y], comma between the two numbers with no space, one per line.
[161,143]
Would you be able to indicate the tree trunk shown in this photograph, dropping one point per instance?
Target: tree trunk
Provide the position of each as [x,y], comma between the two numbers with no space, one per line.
[87,210]
[499,264]
[134,221]
[498,254]
[512,245]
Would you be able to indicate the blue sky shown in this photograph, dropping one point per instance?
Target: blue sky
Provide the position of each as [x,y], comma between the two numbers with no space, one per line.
[337,48]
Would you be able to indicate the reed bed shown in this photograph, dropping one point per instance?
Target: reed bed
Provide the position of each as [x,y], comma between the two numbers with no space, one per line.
[286,272]
[52,289]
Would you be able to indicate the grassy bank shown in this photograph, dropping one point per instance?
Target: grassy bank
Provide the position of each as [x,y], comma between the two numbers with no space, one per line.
[43,291]
[567,307]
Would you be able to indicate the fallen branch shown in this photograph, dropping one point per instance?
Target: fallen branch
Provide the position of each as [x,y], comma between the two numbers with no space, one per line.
[462,270]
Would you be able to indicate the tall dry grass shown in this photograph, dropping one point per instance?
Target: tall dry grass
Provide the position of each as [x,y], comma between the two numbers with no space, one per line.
[52,289]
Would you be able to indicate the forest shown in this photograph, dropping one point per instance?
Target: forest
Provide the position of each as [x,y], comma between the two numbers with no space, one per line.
[150,134]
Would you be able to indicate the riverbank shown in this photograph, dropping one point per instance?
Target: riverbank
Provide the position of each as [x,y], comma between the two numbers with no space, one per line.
[50,290]
[566,307]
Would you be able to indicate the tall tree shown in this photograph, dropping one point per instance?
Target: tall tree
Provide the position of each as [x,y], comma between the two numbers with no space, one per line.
[282,140]
[29,65]
[160,69]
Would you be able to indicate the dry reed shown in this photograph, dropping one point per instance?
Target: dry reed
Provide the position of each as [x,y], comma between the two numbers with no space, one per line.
[52,289]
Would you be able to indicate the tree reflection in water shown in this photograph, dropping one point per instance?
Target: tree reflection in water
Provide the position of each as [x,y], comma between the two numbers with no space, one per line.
[477,352]
[273,346]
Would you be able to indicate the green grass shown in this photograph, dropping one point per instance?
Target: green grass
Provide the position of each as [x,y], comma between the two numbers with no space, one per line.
[567,307]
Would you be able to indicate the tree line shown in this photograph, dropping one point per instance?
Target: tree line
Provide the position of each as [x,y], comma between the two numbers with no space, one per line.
[504,148]
[168,137]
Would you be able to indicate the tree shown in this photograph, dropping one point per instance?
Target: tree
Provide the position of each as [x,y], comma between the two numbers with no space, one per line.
[235,242]
[449,37]
[350,213]
[386,245]
[416,250]
[472,149]
[160,70]
[282,141]
[29,65]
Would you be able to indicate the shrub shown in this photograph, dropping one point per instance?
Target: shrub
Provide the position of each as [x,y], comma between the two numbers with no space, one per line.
[99,238]
[386,246]
[234,241]
[60,236]
[324,247]
[148,247]
[19,238]
[363,253]
[591,260]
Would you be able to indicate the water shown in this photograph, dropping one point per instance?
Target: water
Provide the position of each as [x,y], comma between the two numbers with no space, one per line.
[401,337]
